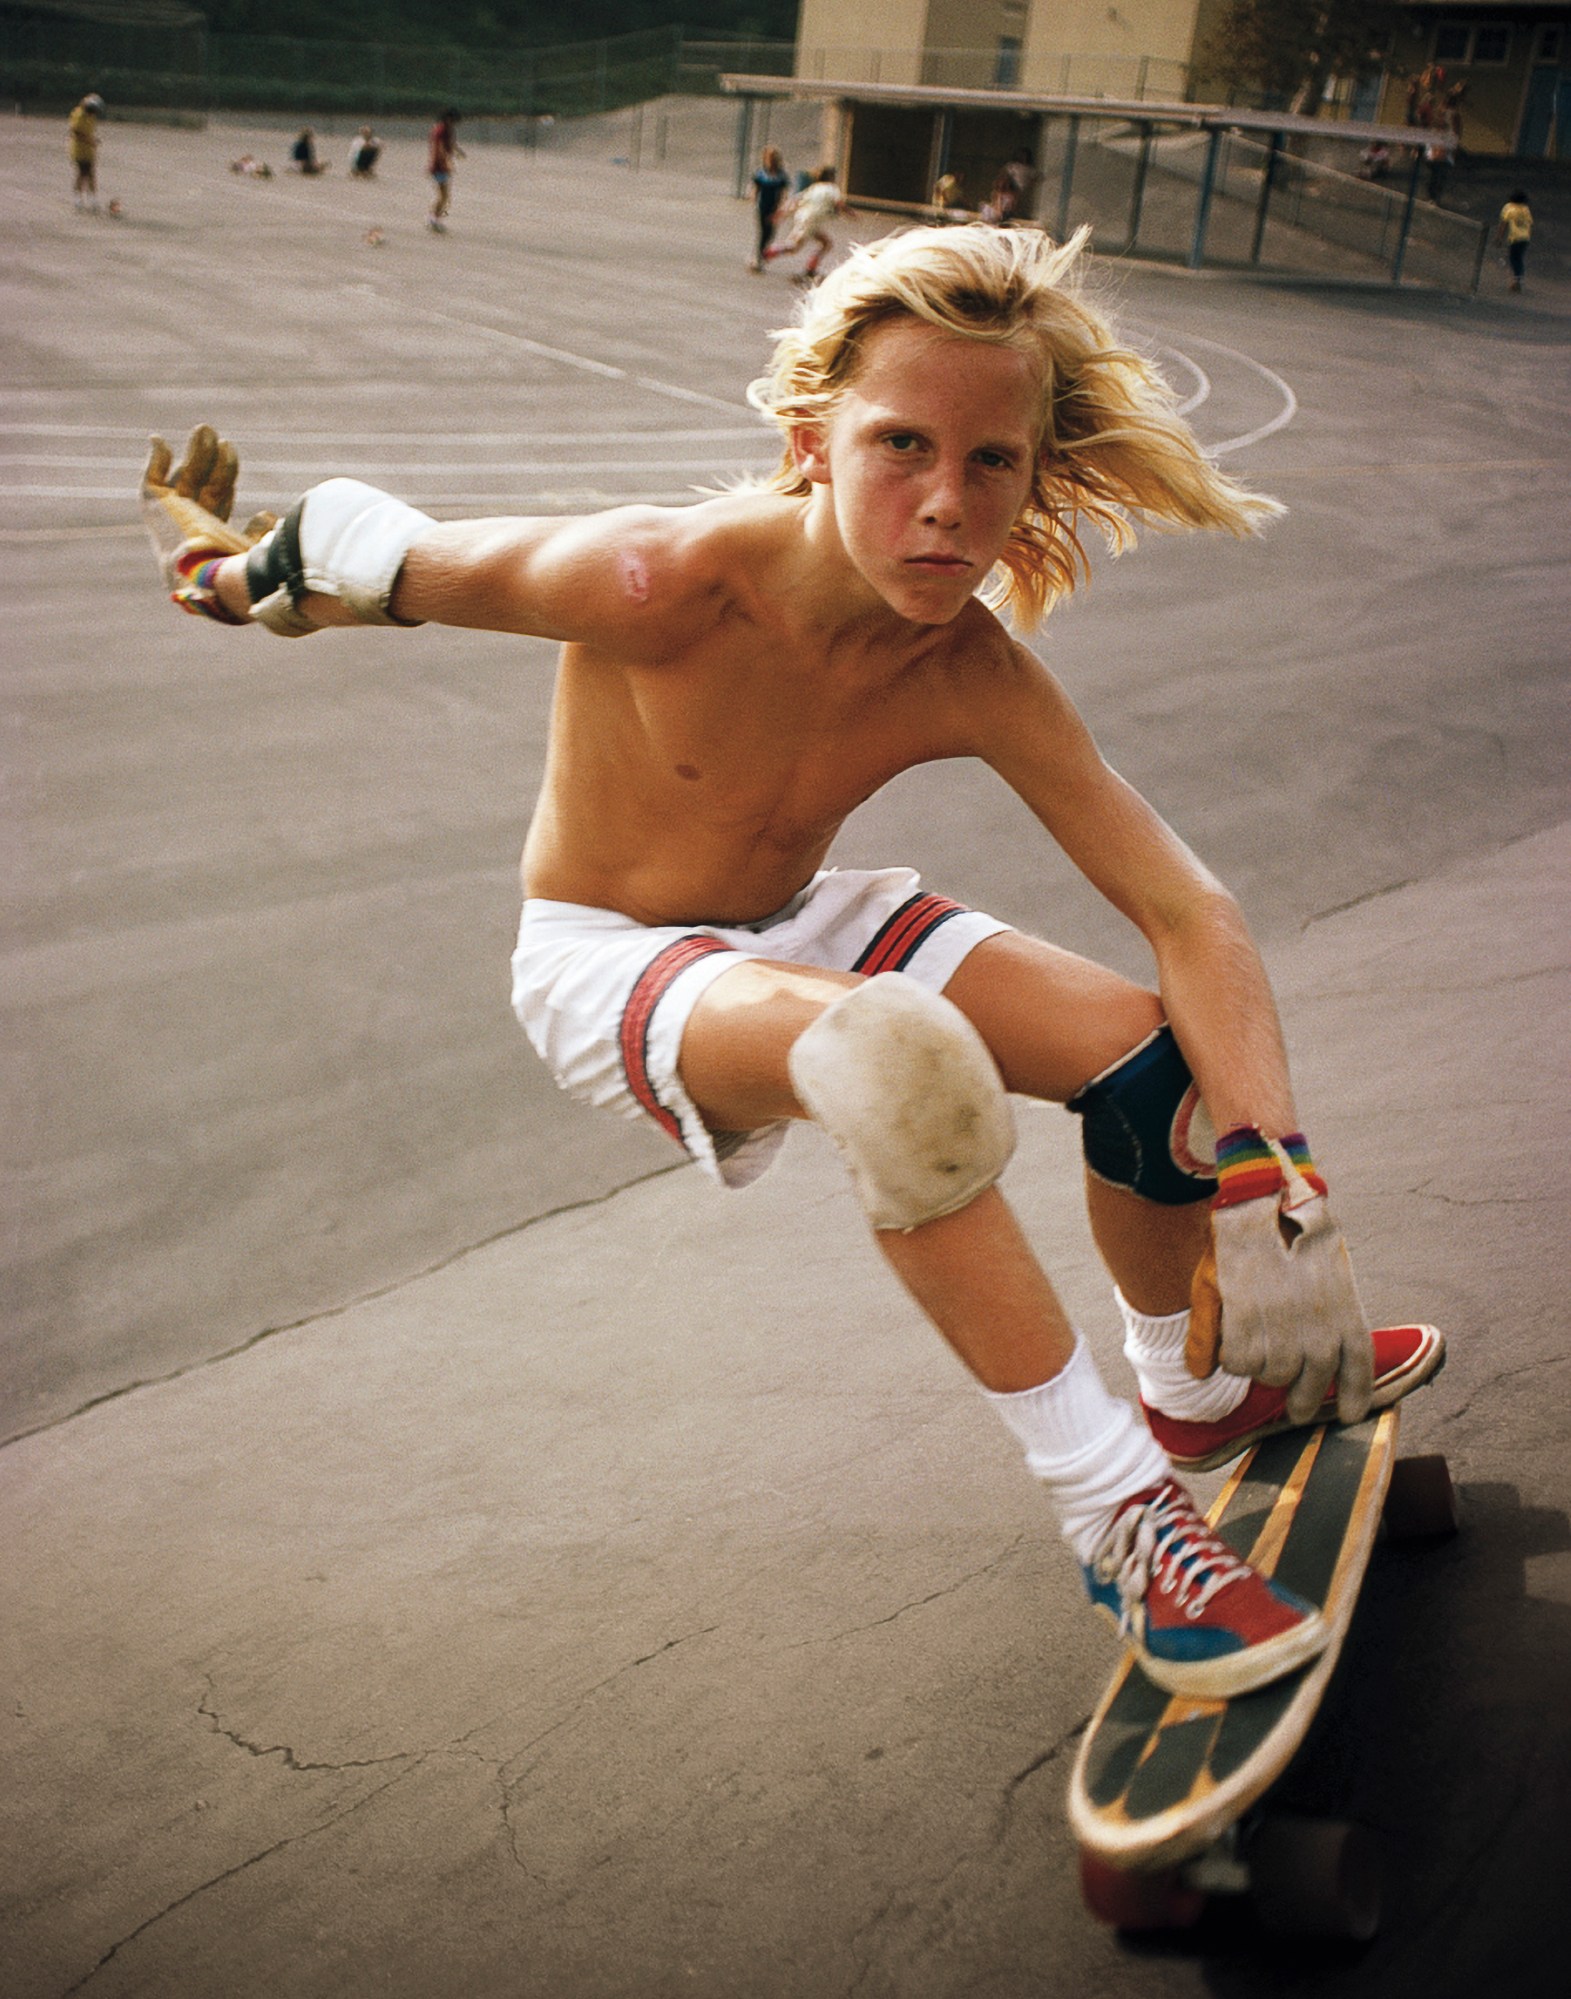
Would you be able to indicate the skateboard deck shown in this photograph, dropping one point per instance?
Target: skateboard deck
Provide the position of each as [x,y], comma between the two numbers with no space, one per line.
[1160,1777]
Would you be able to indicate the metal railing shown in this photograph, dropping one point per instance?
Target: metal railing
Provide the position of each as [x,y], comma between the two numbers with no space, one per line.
[1222,197]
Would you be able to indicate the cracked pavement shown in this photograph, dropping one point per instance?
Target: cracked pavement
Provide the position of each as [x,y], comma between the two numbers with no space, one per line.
[451,1551]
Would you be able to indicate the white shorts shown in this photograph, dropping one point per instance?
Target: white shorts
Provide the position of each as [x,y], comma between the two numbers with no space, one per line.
[605,1000]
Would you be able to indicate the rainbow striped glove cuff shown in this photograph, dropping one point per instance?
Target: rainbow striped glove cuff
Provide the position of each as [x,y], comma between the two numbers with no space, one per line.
[1252,1167]
[197,568]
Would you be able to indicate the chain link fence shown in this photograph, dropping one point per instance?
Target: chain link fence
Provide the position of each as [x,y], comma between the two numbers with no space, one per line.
[49,61]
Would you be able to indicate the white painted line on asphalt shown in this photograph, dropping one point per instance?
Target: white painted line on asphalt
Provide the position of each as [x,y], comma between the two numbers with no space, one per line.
[759,430]
[415,468]
[1202,379]
[511,500]
[18,537]
[1280,421]
[568,359]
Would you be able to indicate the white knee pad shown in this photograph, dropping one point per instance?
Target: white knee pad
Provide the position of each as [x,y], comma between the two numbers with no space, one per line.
[907,1089]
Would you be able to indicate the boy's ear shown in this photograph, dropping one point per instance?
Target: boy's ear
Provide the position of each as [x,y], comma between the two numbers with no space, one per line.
[810,453]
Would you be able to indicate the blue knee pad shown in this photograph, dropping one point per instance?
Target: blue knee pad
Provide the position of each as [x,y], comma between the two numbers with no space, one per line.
[1145,1126]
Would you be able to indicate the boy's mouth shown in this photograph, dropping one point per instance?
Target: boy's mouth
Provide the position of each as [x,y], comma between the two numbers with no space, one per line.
[942,565]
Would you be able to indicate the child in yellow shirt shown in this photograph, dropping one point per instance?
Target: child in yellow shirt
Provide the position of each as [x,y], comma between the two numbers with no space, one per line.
[1515,231]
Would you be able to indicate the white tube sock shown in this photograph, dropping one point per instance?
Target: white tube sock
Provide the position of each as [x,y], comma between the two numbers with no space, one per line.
[1089,1449]
[1154,1348]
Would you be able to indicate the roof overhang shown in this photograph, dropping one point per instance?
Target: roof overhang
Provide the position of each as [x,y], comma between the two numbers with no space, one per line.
[1139,110]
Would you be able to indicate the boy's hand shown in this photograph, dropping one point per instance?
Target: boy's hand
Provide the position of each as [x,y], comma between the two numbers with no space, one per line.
[186,512]
[1274,1298]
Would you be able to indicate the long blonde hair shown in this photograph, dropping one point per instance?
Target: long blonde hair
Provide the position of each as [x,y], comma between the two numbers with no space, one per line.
[1113,450]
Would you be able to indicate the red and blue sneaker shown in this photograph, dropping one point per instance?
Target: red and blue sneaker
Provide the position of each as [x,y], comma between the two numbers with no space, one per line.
[1202,1622]
[1405,1358]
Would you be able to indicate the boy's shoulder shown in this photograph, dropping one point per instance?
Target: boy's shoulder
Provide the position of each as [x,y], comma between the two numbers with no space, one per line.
[673,561]
[717,532]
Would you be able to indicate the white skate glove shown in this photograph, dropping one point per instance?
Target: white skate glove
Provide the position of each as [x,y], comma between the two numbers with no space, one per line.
[1274,1298]
[343,539]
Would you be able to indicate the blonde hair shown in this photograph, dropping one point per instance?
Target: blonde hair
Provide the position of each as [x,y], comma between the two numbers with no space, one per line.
[1113,449]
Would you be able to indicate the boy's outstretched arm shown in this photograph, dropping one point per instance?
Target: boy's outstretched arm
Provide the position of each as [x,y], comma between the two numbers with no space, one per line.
[1289,1309]
[347,553]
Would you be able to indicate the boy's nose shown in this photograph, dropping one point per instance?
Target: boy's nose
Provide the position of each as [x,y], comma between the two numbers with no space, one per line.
[943,504]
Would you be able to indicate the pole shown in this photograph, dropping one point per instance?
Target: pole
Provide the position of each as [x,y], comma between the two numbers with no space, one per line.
[1483,251]
[1068,180]
[1273,147]
[1197,244]
[1137,195]
[744,143]
[938,148]
[1407,216]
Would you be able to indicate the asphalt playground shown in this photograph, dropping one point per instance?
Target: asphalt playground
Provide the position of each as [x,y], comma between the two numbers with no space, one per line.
[451,1550]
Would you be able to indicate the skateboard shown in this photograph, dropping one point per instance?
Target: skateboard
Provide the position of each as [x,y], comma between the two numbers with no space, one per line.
[1166,1797]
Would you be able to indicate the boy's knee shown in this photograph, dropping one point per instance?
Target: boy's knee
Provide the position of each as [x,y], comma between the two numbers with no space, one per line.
[1144,1125]
[909,1092]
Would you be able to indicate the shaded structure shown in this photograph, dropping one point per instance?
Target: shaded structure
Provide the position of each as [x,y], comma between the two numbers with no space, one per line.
[1196,184]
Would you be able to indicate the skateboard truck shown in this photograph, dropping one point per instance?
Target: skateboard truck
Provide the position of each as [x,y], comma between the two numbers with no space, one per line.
[1305,1878]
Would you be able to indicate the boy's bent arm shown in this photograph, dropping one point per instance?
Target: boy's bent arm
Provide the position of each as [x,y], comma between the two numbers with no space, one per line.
[1275,1300]
[1212,980]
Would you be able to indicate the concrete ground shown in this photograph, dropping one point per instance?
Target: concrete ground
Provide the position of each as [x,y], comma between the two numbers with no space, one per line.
[451,1549]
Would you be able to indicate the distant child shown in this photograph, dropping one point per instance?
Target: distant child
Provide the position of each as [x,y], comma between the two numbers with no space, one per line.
[364,154]
[1515,230]
[1012,189]
[303,154]
[83,125]
[1374,162]
[820,201]
[947,190]
[771,183]
[445,150]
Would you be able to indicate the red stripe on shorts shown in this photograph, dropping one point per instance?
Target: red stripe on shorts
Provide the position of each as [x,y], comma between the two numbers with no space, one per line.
[649,987]
[903,935]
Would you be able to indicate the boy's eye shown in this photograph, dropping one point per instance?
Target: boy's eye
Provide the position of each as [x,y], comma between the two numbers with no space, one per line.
[901,440]
[996,461]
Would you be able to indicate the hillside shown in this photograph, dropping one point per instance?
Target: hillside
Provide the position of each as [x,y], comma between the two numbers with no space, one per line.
[499,23]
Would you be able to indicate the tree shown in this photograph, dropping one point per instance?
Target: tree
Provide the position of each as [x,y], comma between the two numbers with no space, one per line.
[1290,50]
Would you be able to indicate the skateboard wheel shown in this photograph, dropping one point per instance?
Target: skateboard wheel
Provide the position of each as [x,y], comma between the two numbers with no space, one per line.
[1131,1899]
[1315,1878]
[1421,1503]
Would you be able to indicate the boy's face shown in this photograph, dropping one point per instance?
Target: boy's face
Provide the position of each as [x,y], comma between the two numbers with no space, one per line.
[926,462]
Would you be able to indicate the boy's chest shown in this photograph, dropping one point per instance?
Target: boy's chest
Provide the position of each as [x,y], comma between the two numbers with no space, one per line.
[773,734]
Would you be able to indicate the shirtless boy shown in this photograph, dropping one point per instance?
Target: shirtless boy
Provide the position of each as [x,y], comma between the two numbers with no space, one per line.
[737,676]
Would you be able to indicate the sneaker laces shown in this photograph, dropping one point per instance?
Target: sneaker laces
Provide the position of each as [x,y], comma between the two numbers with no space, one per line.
[1164,1540]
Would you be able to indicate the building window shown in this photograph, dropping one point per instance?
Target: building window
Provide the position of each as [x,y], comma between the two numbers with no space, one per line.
[1006,71]
[1549,44]
[1483,44]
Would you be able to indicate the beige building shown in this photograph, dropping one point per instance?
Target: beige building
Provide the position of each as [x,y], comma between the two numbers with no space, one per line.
[1137,48]
[1514,60]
